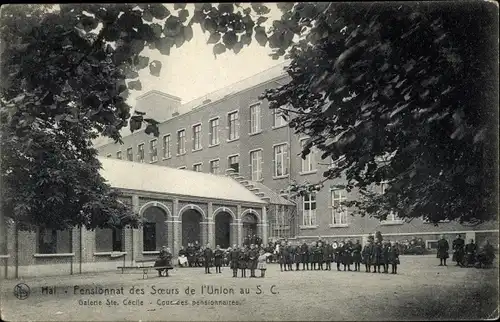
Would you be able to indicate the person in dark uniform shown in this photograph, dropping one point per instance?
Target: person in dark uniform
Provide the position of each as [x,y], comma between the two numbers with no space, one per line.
[246,241]
[320,241]
[304,256]
[347,255]
[190,254]
[234,258]
[282,256]
[328,256]
[225,257]
[385,256]
[197,246]
[297,256]
[470,252]
[339,253]
[164,260]
[198,257]
[458,250]
[218,255]
[312,256]
[442,250]
[367,255]
[258,242]
[208,254]
[319,255]
[486,255]
[242,261]
[356,256]
[253,256]
[377,256]
[393,257]
[269,249]
[289,260]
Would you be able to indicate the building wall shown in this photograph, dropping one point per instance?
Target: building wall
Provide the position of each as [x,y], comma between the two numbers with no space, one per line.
[78,252]
[265,140]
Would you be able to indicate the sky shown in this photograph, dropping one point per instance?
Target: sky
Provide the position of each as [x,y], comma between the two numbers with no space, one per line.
[192,70]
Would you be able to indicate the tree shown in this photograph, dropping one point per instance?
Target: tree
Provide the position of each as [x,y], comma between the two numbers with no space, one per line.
[64,82]
[360,88]
[401,95]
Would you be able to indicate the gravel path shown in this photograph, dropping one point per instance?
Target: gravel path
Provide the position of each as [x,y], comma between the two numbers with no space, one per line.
[427,291]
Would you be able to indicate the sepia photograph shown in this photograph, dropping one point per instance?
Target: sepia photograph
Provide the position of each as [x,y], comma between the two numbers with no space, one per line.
[307,161]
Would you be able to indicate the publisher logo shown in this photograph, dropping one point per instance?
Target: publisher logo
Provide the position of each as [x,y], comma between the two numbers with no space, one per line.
[22,291]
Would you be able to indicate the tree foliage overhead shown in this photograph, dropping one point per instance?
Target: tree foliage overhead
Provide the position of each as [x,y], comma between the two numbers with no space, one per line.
[66,73]
[404,95]
[366,81]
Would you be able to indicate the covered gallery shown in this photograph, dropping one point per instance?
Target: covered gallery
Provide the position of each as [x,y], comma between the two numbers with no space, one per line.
[179,206]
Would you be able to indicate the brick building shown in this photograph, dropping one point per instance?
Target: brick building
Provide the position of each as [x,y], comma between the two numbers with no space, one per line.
[178,207]
[231,128]
[229,133]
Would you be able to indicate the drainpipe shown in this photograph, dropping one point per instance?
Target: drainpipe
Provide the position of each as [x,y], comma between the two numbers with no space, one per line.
[72,249]
[81,249]
[133,246]
[16,233]
[289,155]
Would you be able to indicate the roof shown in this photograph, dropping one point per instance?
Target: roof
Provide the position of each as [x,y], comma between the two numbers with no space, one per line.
[154,178]
[274,197]
[254,80]
[154,91]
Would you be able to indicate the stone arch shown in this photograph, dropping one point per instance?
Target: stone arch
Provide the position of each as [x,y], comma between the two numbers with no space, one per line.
[223,209]
[251,211]
[250,228]
[192,227]
[155,204]
[223,220]
[192,207]
[155,227]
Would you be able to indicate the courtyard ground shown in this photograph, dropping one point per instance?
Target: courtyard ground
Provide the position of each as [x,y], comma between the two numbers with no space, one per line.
[421,290]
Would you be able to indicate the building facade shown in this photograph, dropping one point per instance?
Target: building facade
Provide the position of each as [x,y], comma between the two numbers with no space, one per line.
[232,128]
[237,156]
[177,207]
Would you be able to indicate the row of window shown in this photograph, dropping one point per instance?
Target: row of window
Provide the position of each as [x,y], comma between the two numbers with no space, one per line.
[214,128]
[256,162]
[280,159]
[339,213]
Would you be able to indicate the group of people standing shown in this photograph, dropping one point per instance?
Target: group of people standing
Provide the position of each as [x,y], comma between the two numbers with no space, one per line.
[248,257]
[376,256]
[320,254]
[465,255]
[251,257]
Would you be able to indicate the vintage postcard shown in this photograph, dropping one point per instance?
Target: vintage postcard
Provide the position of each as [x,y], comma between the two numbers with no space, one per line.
[313,161]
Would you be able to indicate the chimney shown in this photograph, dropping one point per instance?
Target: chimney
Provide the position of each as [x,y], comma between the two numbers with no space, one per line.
[158,105]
